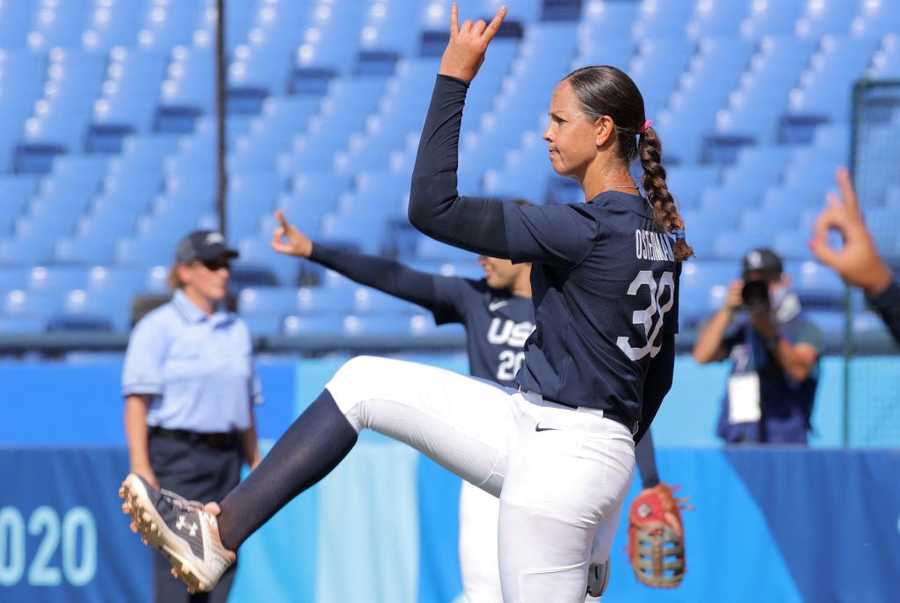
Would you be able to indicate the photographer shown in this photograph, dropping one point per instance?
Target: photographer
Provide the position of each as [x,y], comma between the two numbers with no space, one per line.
[774,353]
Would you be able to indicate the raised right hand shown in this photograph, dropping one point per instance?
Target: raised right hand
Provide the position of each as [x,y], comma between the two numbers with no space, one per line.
[287,239]
[465,51]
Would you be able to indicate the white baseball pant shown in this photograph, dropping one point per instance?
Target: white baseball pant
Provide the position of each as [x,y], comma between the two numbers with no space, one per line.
[561,473]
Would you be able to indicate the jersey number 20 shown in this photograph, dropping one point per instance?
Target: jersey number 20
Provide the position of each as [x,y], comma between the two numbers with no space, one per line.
[645,317]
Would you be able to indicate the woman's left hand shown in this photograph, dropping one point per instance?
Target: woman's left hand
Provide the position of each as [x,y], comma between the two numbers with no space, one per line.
[468,42]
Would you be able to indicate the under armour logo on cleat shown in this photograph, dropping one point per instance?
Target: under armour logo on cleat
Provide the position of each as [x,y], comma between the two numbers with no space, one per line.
[181,524]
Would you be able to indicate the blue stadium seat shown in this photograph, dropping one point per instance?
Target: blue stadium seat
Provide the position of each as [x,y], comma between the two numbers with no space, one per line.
[271,133]
[26,249]
[878,19]
[357,229]
[724,81]
[263,324]
[719,18]
[57,278]
[126,279]
[29,304]
[268,300]
[16,19]
[257,250]
[22,81]
[657,68]
[828,17]
[131,90]
[525,174]
[344,112]
[687,183]
[168,24]
[114,23]
[13,278]
[388,324]
[60,24]
[327,325]
[332,40]
[189,85]
[60,118]
[817,285]
[386,28]
[600,39]
[85,250]
[463,268]
[22,325]
[773,18]
[112,305]
[422,325]
[368,301]
[840,62]
[431,249]
[762,97]
[15,193]
[663,20]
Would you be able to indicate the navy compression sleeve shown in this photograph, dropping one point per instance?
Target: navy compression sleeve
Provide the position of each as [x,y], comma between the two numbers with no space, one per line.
[385,275]
[887,304]
[435,207]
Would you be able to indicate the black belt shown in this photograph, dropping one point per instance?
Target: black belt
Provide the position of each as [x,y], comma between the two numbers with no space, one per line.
[224,439]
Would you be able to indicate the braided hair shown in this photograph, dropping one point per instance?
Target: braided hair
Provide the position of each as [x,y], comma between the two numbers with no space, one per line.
[605,90]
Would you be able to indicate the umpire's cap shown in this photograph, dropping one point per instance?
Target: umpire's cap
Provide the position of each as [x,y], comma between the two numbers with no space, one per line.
[202,246]
[764,262]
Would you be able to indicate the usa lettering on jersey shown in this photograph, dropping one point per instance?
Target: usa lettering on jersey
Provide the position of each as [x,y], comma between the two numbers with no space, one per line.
[652,246]
[513,334]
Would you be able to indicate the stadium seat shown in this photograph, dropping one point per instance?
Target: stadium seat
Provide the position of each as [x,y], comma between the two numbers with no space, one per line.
[107,146]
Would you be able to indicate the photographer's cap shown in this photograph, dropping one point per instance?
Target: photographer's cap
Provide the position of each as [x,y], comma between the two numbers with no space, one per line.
[202,246]
[764,261]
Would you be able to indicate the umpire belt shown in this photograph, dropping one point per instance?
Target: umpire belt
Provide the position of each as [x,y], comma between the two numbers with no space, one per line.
[224,440]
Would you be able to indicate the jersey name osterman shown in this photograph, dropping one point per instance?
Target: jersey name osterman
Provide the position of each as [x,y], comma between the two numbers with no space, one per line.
[652,246]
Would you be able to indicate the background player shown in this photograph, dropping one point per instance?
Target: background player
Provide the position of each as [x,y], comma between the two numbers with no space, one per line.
[561,448]
[498,316]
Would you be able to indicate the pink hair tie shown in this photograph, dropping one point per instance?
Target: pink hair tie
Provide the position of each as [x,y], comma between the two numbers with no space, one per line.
[645,126]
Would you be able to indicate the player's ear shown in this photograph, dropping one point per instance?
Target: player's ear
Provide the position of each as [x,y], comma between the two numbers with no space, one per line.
[604,131]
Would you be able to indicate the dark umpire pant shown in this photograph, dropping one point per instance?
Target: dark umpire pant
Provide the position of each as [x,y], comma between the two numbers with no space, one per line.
[202,467]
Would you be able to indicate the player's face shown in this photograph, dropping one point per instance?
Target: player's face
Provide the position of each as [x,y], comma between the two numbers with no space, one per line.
[570,134]
[208,279]
[499,273]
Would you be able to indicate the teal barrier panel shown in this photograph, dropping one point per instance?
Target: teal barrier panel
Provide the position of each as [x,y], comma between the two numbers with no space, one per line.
[787,525]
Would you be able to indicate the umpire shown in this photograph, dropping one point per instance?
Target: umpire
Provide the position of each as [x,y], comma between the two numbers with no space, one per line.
[774,352]
[189,387]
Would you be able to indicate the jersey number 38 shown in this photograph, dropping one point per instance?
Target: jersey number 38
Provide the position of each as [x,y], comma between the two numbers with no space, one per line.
[645,317]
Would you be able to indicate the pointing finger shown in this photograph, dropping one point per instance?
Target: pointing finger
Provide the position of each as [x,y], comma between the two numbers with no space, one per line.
[454,20]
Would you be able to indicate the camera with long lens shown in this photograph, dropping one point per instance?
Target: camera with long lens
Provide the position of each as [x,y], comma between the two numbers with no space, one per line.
[755,295]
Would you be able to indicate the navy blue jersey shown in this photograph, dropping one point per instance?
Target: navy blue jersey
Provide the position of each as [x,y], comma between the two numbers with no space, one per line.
[497,325]
[605,286]
[604,279]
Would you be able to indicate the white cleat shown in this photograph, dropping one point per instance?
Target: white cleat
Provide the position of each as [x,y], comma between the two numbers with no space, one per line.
[180,529]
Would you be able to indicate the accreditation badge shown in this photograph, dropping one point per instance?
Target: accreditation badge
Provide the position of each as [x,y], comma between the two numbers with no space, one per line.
[744,398]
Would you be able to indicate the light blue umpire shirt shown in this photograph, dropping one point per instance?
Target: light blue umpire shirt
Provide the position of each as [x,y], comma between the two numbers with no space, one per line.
[198,369]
